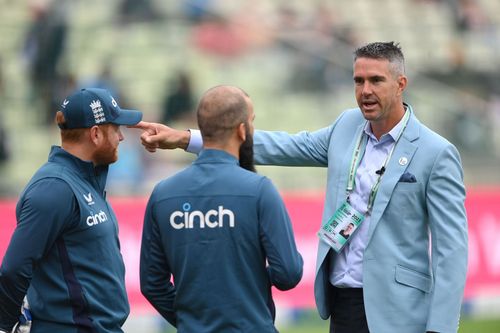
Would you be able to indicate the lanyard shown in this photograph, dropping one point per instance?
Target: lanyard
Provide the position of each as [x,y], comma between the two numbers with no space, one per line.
[356,159]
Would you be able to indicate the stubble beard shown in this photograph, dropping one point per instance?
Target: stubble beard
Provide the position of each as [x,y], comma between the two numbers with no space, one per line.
[107,154]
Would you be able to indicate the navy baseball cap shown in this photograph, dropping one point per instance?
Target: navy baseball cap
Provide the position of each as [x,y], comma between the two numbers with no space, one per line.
[92,106]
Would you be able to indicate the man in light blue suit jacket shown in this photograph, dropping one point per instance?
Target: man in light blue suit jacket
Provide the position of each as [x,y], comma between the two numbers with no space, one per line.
[404,268]
[408,286]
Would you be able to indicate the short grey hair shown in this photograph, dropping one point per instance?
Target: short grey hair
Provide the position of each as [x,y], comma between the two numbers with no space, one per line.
[390,51]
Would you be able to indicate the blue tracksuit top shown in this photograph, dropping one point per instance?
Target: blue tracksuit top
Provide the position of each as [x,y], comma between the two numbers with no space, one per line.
[65,252]
[212,227]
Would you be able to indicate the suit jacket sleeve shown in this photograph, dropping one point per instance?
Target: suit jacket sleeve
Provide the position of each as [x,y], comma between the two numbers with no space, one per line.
[301,149]
[448,225]
[155,273]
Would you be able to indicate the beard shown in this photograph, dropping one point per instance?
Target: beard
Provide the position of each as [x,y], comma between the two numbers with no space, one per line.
[246,154]
[105,155]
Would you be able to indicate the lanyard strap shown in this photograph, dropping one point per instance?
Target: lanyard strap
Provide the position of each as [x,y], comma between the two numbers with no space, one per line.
[356,159]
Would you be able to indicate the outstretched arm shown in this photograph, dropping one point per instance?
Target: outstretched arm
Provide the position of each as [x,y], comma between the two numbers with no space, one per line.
[160,136]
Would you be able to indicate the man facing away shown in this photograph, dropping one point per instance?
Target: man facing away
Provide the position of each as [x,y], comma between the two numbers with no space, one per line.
[64,253]
[221,230]
[404,267]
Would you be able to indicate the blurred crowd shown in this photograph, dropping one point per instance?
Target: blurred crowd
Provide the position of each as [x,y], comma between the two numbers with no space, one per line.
[314,44]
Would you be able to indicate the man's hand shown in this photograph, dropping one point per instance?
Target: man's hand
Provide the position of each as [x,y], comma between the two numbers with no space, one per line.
[25,320]
[160,136]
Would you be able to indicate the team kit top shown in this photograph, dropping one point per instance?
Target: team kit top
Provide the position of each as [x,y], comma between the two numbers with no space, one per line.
[66,249]
[224,235]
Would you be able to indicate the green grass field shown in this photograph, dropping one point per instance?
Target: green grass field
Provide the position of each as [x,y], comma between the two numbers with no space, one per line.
[315,325]
[466,326]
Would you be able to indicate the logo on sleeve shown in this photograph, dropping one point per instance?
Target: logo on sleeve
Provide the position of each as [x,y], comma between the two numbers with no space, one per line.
[89,199]
[213,218]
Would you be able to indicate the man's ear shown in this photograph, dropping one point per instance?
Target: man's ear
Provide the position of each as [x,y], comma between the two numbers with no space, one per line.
[96,135]
[242,132]
[402,83]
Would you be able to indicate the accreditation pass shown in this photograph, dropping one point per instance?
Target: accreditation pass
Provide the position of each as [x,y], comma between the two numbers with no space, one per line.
[341,226]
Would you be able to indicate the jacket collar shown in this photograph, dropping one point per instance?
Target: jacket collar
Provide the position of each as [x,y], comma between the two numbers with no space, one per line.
[96,175]
[215,156]
[412,131]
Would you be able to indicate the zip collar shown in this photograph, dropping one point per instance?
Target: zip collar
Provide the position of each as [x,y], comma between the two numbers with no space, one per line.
[96,175]
[215,156]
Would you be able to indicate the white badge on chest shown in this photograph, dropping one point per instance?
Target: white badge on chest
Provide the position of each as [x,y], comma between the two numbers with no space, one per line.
[341,226]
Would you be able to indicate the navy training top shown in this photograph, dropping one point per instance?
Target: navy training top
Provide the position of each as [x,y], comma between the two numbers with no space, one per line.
[225,236]
[65,252]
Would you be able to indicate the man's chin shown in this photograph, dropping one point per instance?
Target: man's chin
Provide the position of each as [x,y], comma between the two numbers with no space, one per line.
[107,161]
[369,114]
[112,159]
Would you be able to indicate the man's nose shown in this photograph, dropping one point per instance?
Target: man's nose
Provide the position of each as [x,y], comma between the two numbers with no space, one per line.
[367,88]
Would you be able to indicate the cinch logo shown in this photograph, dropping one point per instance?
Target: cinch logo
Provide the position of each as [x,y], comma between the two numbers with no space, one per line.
[97,218]
[212,219]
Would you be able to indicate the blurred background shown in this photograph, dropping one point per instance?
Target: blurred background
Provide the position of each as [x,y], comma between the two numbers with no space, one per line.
[294,58]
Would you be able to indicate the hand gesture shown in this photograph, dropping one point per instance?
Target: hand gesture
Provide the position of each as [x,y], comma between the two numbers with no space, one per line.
[157,135]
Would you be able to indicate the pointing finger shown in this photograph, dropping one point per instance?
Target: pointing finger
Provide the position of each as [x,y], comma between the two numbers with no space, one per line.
[143,125]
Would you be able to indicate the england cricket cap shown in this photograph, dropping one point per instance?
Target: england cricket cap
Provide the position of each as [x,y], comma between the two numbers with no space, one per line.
[93,106]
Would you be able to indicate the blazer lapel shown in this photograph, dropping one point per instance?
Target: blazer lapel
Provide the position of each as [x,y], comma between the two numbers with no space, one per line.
[340,193]
[344,170]
[399,162]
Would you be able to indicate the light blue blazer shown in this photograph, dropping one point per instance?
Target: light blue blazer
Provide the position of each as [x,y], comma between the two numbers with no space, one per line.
[415,262]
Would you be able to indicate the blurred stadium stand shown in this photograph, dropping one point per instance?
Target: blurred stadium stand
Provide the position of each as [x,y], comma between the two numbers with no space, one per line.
[293,57]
